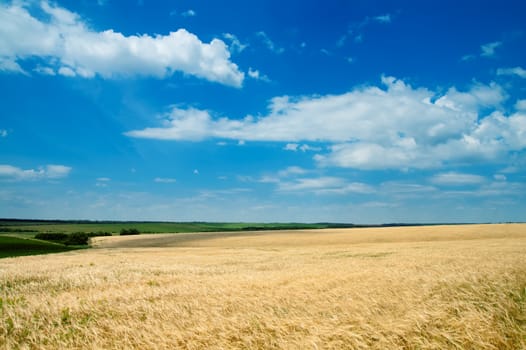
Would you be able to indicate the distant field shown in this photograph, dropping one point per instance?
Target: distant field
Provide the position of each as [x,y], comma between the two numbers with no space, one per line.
[441,287]
[146,227]
[14,246]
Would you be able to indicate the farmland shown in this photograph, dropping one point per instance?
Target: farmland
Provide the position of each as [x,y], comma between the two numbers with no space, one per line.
[446,287]
[29,227]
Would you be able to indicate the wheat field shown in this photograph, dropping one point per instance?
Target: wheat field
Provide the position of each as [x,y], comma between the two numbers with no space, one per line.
[436,287]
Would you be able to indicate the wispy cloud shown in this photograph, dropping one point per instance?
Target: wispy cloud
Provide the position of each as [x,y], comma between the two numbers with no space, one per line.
[300,147]
[165,180]
[256,75]
[236,46]
[325,185]
[9,172]
[457,179]
[102,182]
[269,43]
[488,50]
[518,71]
[355,32]
[189,13]
[383,18]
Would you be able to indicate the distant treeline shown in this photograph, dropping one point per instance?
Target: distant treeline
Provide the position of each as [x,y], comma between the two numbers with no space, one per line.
[18,230]
[75,238]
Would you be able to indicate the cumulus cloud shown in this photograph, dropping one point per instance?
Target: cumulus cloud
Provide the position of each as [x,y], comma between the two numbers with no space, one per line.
[518,71]
[395,126]
[51,171]
[65,43]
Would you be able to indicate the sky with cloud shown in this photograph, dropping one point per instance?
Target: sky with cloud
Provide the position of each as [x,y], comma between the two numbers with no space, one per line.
[308,111]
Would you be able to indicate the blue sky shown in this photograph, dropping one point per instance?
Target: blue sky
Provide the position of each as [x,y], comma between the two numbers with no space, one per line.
[342,111]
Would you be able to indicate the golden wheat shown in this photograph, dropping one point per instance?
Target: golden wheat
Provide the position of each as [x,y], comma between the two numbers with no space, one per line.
[449,287]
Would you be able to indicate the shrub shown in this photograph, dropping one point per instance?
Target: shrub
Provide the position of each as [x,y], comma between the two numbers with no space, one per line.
[98,234]
[130,231]
[52,236]
[77,238]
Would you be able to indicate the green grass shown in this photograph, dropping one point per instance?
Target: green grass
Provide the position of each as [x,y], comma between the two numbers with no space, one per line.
[14,246]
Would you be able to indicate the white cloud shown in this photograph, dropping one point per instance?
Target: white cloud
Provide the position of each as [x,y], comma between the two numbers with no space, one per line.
[292,170]
[3,133]
[383,18]
[291,147]
[56,171]
[500,177]
[356,29]
[304,147]
[165,180]
[236,46]
[254,74]
[468,57]
[324,185]
[103,179]
[189,13]
[370,127]
[9,64]
[66,71]
[269,43]
[66,43]
[44,70]
[369,156]
[51,171]
[457,179]
[518,71]
[488,50]
[520,105]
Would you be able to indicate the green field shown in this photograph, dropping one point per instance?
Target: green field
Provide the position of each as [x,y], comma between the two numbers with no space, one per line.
[32,227]
[14,246]
[16,235]
[27,229]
